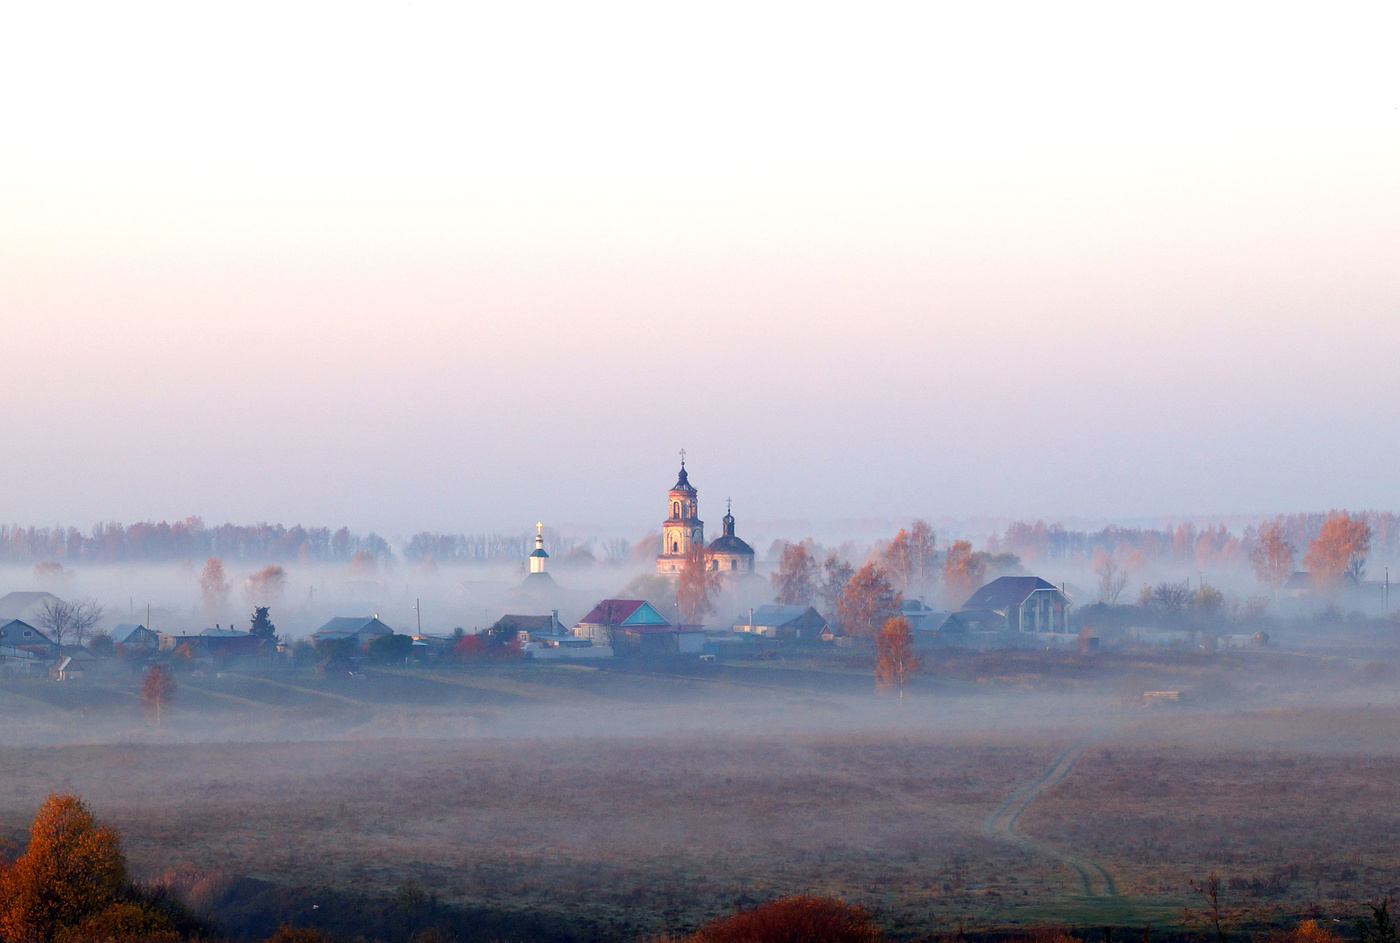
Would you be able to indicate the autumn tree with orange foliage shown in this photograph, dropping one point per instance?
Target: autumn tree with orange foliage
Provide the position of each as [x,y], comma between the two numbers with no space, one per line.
[697,586]
[962,571]
[266,586]
[1309,931]
[867,602]
[895,661]
[157,690]
[213,588]
[1339,549]
[1272,557]
[797,918]
[72,870]
[908,558]
[71,884]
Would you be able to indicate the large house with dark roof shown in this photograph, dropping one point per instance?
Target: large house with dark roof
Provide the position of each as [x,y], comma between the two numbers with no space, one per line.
[24,606]
[1017,604]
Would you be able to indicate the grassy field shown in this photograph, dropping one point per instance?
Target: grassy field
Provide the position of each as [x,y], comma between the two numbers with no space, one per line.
[650,798]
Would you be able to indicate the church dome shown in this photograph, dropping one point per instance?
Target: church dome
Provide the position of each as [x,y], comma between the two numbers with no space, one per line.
[728,543]
[683,482]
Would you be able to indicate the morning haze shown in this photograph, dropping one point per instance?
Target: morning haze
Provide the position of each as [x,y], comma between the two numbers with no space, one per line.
[745,473]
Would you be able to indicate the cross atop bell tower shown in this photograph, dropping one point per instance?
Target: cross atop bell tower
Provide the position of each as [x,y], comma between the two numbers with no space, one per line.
[682,528]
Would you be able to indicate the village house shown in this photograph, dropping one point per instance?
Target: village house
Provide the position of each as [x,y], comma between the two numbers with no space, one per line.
[797,623]
[215,643]
[24,606]
[134,637]
[633,626]
[360,629]
[545,638]
[922,618]
[1026,604]
[24,649]
[15,633]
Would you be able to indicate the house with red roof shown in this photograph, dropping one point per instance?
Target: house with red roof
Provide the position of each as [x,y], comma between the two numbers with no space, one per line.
[633,626]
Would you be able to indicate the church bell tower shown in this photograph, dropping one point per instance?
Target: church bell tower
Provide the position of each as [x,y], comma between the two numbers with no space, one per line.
[682,528]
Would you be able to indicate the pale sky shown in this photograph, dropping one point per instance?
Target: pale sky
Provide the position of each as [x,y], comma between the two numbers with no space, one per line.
[463,268]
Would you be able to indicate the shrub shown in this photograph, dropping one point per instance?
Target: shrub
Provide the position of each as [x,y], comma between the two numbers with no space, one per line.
[799,918]
[391,648]
[72,871]
[288,934]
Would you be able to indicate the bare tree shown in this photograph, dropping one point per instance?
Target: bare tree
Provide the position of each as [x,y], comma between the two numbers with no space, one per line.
[1112,577]
[86,615]
[1216,918]
[65,622]
[616,550]
[1171,599]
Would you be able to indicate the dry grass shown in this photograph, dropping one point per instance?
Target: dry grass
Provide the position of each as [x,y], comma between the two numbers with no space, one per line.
[654,802]
[1290,807]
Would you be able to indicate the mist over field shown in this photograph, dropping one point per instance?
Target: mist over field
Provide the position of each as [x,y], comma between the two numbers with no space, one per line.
[1200,694]
[741,473]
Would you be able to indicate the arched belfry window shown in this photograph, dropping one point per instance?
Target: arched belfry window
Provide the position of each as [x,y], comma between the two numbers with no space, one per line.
[676,509]
[675,546]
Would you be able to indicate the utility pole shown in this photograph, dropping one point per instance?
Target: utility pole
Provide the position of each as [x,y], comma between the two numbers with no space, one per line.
[418,609]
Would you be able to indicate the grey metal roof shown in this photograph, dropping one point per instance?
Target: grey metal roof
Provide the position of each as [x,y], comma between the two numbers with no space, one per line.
[15,605]
[777,615]
[353,624]
[1006,591]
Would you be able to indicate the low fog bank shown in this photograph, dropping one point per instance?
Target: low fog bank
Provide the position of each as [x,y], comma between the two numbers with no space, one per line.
[1038,694]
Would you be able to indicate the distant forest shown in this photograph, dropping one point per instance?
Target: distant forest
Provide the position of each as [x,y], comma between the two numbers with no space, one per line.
[1211,546]
[190,539]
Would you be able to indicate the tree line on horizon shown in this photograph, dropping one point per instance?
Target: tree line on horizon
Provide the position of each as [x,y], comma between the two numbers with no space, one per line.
[153,542]
[1186,544]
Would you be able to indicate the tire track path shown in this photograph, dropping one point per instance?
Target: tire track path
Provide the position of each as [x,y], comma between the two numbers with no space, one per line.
[1095,879]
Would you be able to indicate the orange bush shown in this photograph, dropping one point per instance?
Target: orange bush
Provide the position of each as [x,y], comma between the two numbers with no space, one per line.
[72,870]
[1307,932]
